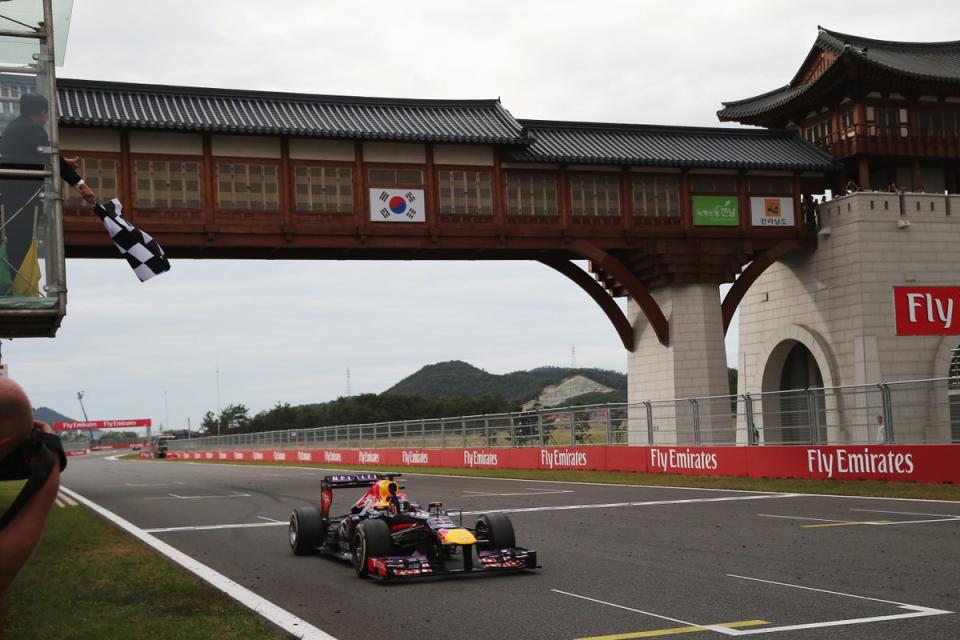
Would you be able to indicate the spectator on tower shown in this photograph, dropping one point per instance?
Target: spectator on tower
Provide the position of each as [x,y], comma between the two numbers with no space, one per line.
[22,146]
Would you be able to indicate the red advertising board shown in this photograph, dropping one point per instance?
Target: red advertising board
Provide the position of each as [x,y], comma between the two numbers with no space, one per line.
[927,311]
[912,463]
[137,423]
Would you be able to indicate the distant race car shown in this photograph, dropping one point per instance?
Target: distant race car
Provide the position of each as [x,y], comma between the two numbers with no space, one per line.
[386,536]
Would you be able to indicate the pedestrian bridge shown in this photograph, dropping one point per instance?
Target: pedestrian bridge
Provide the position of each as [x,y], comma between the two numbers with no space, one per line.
[223,174]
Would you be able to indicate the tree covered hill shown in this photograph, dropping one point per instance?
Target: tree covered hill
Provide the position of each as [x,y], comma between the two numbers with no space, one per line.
[45,414]
[438,390]
[458,378]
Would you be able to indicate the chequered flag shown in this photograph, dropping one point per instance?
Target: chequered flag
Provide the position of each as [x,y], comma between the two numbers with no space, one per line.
[141,251]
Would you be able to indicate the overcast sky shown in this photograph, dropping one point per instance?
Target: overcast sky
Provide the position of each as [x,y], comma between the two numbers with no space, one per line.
[288,331]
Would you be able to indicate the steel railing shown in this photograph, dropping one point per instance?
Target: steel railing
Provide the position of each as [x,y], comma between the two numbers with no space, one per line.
[905,412]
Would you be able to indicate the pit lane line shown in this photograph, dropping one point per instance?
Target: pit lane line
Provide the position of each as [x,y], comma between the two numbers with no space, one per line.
[609,505]
[915,611]
[290,623]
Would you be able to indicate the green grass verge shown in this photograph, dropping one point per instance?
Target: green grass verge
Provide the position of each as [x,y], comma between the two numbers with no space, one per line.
[91,580]
[786,485]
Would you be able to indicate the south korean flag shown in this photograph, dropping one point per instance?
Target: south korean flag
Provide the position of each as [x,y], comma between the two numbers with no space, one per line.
[141,251]
[397,205]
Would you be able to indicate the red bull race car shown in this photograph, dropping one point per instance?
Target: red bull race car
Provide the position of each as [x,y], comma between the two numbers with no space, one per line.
[386,536]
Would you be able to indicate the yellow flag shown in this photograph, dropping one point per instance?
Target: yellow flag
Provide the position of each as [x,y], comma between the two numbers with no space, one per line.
[27,280]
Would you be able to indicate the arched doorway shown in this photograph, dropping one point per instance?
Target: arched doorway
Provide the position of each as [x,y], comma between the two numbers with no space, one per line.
[794,407]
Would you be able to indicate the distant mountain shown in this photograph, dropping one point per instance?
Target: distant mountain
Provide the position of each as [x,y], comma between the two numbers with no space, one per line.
[457,378]
[44,414]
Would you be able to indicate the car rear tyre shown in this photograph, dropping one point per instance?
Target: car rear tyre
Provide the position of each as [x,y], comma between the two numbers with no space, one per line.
[371,540]
[306,530]
[495,531]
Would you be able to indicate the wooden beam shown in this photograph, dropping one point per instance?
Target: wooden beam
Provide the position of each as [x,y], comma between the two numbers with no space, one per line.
[640,294]
[599,295]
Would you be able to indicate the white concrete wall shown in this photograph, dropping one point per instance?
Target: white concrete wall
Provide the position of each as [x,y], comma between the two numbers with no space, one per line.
[90,139]
[403,152]
[838,301]
[245,146]
[166,142]
[692,365]
[318,149]
[463,154]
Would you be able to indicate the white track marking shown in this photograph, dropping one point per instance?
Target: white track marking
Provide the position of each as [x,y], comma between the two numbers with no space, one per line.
[152,484]
[920,521]
[619,505]
[67,500]
[772,515]
[272,520]
[915,611]
[290,623]
[625,608]
[215,527]
[179,497]
[878,523]
[910,513]
[612,505]
[479,494]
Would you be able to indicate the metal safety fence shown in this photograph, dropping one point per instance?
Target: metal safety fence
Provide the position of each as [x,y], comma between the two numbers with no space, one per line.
[907,412]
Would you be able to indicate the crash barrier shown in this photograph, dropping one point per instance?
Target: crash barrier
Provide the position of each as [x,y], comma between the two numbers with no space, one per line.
[147,455]
[914,412]
[916,463]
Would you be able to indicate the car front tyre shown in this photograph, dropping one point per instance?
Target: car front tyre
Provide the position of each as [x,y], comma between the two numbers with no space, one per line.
[371,540]
[495,531]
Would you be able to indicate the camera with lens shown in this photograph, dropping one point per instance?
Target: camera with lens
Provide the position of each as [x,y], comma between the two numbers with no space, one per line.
[33,461]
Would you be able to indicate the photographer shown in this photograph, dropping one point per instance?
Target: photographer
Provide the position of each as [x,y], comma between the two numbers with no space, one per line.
[24,454]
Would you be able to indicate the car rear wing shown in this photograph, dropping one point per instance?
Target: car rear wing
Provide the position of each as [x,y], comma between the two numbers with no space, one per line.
[346,481]
[353,480]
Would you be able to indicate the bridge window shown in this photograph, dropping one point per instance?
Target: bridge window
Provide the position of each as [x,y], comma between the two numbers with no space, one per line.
[324,189]
[465,192]
[100,174]
[820,132]
[846,120]
[594,195]
[656,197]
[531,194]
[167,184]
[887,121]
[248,187]
[399,176]
[940,124]
[770,186]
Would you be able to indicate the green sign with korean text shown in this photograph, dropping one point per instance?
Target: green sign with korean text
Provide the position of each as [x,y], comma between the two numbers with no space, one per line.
[716,211]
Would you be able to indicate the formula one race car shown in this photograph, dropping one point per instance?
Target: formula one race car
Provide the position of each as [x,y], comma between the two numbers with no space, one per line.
[386,536]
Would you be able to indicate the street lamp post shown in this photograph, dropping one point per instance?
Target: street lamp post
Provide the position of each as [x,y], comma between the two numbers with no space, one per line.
[85,419]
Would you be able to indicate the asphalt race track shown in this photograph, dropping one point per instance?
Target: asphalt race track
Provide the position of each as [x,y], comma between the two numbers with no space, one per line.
[617,562]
